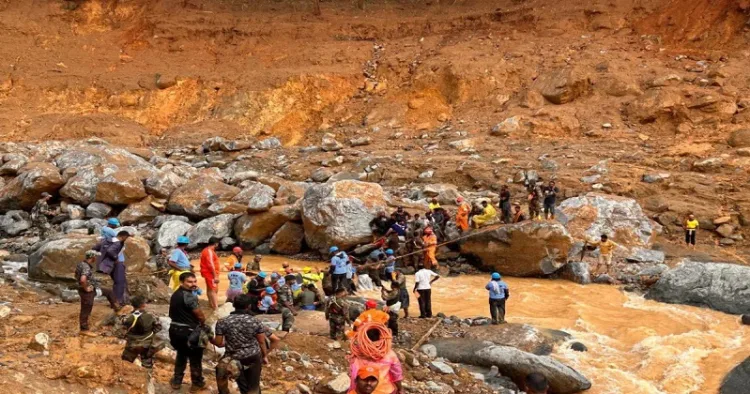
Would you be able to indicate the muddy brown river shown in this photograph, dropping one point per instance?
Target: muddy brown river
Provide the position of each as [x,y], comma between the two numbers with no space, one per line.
[636,346]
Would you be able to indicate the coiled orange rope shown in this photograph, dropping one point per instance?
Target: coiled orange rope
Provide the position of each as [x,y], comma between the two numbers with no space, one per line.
[362,347]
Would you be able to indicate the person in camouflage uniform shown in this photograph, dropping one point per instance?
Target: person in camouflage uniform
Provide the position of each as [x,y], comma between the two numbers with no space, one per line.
[39,215]
[337,314]
[162,265]
[286,304]
[535,200]
[140,331]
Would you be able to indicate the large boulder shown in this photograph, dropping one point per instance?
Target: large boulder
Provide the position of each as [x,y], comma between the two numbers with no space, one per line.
[195,197]
[98,210]
[162,183]
[738,379]
[120,188]
[82,186]
[257,196]
[26,189]
[57,259]
[169,232]
[14,223]
[513,363]
[288,240]
[522,249]
[540,341]
[563,85]
[140,212]
[719,286]
[622,219]
[252,229]
[88,154]
[739,138]
[216,227]
[340,213]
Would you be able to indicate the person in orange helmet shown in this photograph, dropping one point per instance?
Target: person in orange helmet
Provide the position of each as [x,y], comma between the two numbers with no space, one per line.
[429,242]
[370,315]
[234,258]
[462,215]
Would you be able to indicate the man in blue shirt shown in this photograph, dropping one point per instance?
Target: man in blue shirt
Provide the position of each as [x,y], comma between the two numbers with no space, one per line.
[339,267]
[498,294]
[179,261]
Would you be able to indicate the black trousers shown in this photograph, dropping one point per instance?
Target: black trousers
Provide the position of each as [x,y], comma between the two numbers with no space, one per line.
[425,303]
[497,310]
[690,237]
[393,323]
[248,380]
[337,281]
[87,305]
[178,338]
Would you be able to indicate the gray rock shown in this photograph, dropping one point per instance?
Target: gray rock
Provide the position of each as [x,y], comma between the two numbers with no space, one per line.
[268,144]
[11,168]
[163,183]
[522,249]
[258,197]
[14,223]
[239,177]
[441,367]
[71,225]
[98,210]
[621,218]
[360,141]
[426,174]
[40,342]
[329,144]
[227,243]
[549,165]
[725,230]
[653,271]
[333,162]
[738,379]
[718,286]
[321,174]
[506,127]
[726,242]
[81,188]
[216,227]
[69,296]
[604,279]
[576,271]
[161,219]
[340,213]
[654,178]
[591,179]
[641,255]
[76,211]
[23,191]
[169,232]
[516,364]
[708,165]
[216,144]
[429,350]
[339,385]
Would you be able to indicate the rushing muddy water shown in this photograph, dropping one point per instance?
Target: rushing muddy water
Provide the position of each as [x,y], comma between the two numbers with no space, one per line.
[635,345]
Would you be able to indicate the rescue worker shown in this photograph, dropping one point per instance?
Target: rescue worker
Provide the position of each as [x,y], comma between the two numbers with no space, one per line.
[108,231]
[434,204]
[311,276]
[499,293]
[380,225]
[534,197]
[112,262]
[210,272]
[517,214]
[236,280]
[39,216]
[388,366]
[234,258]
[186,317]
[141,328]
[256,285]
[337,313]
[366,381]
[286,305]
[392,299]
[244,337]
[88,288]
[179,262]
[429,243]
[487,217]
[339,268]
[550,197]
[371,314]
[462,215]
[404,298]
[254,265]
[400,215]
[606,251]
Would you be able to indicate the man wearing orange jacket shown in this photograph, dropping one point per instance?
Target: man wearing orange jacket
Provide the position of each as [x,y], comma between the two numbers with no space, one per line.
[462,216]
[429,243]
[210,272]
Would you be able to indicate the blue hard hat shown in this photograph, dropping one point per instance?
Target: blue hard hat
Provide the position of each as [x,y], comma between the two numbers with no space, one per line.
[183,240]
[333,249]
[389,252]
[281,281]
[495,275]
[237,265]
[270,290]
[113,222]
[261,274]
[274,275]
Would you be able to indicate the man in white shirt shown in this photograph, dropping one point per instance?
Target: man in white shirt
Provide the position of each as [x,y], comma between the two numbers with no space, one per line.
[423,281]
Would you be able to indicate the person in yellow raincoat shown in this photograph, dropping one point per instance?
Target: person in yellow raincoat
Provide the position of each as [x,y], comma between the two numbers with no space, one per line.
[429,243]
[462,216]
[489,213]
[311,276]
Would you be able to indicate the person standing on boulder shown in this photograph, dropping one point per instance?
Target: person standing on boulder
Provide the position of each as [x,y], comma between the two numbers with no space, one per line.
[423,280]
[88,288]
[429,242]
[534,197]
[462,215]
[606,250]
[380,225]
[691,228]
[550,197]
[179,262]
[210,272]
[339,267]
[517,214]
[39,216]
[499,293]
[186,317]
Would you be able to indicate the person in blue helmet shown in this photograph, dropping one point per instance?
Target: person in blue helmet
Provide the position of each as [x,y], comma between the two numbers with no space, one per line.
[390,264]
[339,267]
[108,231]
[499,293]
[179,262]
